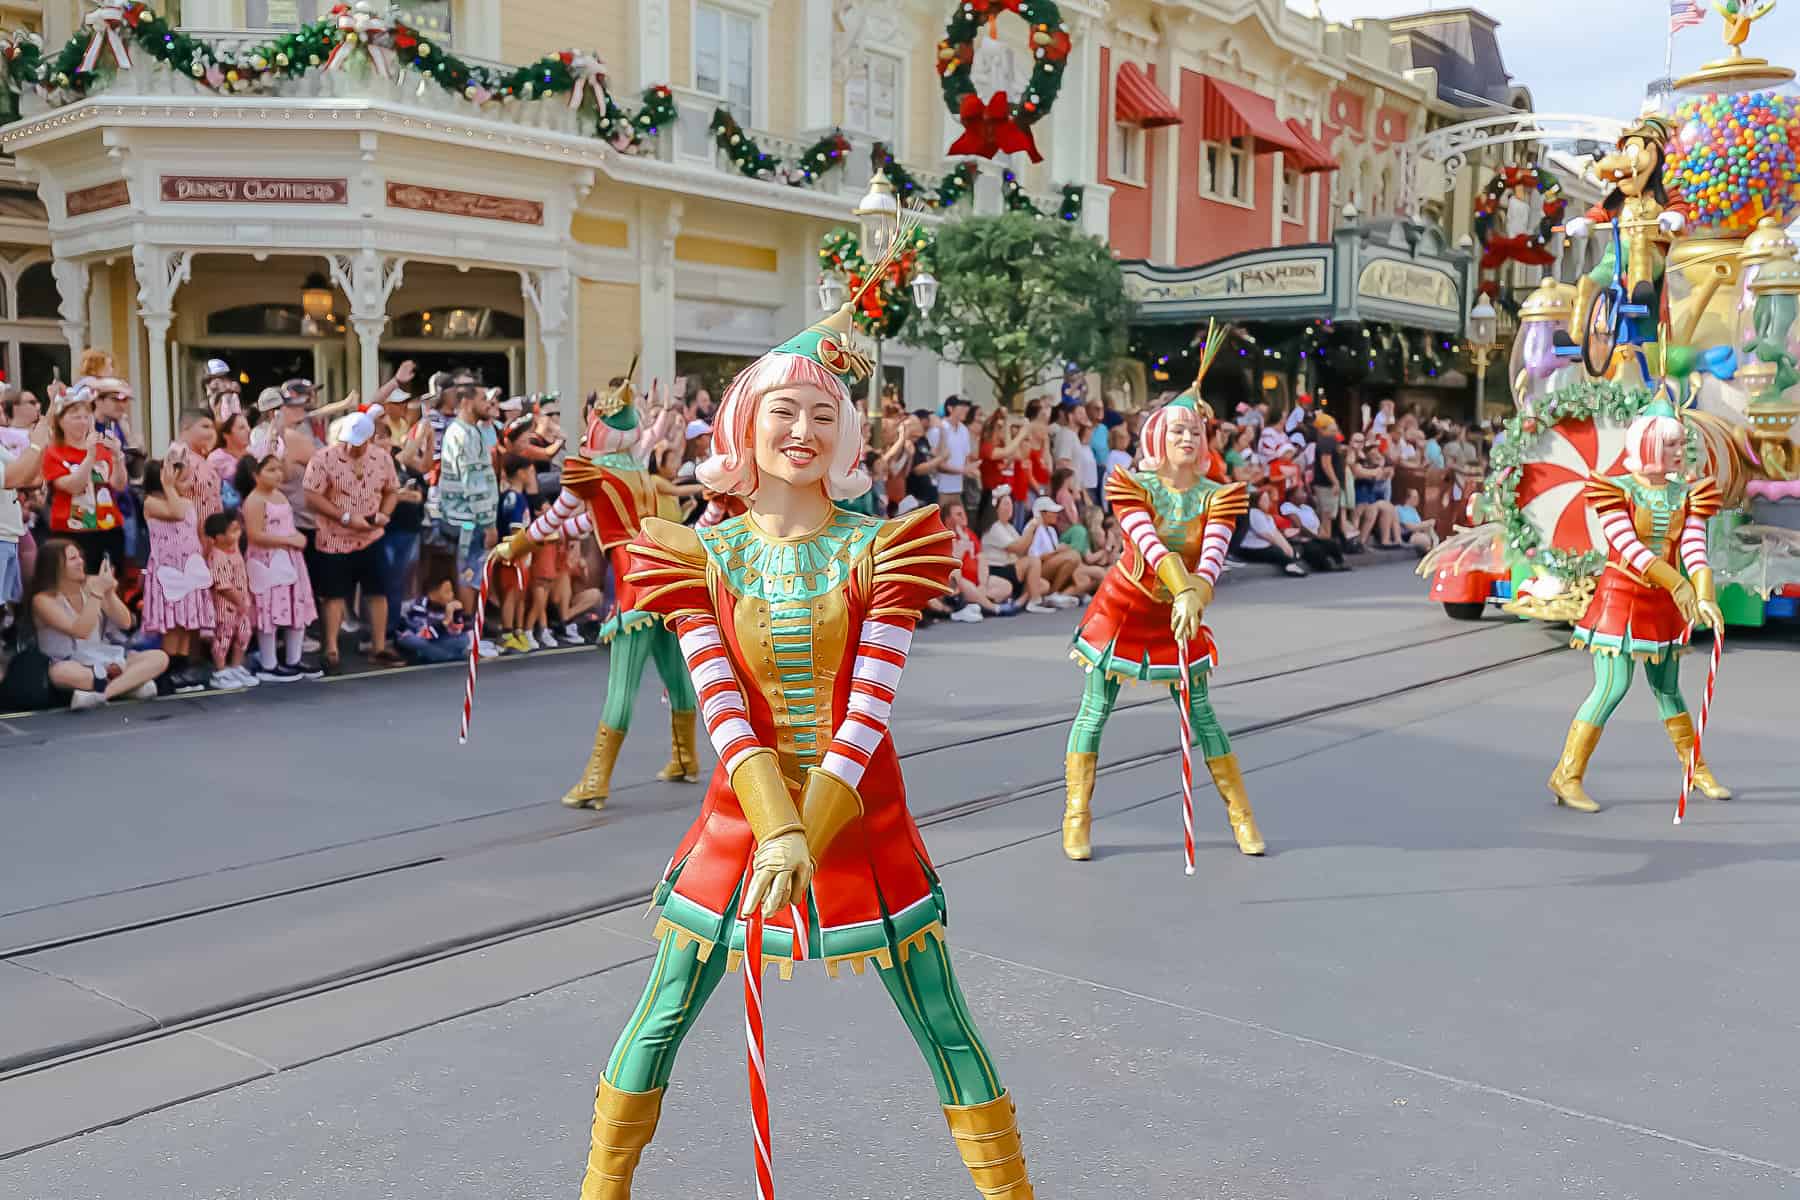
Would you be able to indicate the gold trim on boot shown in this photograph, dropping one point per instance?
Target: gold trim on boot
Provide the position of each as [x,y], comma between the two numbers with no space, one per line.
[1681,735]
[684,763]
[987,1137]
[596,778]
[624,1123]
[1230,782]
[1565,781]
[1078,818]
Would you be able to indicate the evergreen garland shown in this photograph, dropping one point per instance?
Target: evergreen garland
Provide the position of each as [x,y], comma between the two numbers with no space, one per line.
[883,310]
[1072,196]
[1583,400]
[1049,48]
[957,185]
[1012,192]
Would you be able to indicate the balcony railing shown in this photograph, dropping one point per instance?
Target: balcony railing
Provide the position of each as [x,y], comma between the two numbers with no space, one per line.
[689,143]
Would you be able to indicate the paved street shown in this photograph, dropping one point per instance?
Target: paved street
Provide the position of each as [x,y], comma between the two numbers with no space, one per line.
[296,945]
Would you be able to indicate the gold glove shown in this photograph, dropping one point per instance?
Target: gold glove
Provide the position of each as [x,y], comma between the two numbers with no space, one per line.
[518,545]
[827,806]
[1706,599]
[1188,600]
[783,865]
[1665,576]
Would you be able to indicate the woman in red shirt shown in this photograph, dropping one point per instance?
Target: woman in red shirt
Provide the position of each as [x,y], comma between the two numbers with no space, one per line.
[86,472]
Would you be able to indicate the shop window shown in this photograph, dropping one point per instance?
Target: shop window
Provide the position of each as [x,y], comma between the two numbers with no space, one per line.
[273,320]
[1227,175]
[725,59]
[1127,151]
[872,97]
[1292,191]
[283,14]
[37,293]
[458,324]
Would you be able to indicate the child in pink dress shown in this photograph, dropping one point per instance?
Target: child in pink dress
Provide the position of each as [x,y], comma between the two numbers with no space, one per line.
[231,600]
[280,593]
[177,583]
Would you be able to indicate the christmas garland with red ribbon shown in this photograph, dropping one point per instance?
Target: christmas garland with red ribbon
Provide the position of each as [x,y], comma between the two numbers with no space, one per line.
[883,309]
[1001,124]
[1532,249]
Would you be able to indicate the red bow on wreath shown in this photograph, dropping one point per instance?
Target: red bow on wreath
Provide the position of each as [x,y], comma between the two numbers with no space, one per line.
[990,129]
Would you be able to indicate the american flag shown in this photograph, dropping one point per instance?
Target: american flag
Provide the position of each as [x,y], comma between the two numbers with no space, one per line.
[1683,13]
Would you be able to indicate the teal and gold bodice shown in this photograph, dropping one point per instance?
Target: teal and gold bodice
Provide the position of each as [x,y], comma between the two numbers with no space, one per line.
[791,621]
[1180,516]
[1657,512]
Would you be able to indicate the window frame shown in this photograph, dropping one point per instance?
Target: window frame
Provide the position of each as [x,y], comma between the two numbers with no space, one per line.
[1291,178]
[756,14]
[1135,137]
[1243,150]
[895,138]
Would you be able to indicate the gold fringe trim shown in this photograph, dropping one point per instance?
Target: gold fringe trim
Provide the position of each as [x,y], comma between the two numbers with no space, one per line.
[666,928]
[1643,656]
[1128,680]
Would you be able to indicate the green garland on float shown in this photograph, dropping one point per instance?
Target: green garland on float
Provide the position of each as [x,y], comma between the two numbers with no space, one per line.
[1583,400]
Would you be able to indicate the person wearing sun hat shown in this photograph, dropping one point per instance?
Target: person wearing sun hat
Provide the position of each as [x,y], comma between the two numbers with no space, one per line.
[1178,526]
[606,492]
[1656,586]
[796,618]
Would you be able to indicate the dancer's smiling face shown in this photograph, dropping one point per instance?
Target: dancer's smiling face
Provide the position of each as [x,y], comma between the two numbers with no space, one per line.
[797,432]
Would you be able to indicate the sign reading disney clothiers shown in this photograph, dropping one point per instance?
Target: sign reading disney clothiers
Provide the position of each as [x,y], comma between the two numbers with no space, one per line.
[253,189]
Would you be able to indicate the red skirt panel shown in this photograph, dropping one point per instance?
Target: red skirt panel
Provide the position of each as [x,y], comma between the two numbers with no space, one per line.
[1628,617]
[1125,633]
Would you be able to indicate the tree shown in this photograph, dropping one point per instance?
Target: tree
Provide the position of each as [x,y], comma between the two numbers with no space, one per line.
[1018,297]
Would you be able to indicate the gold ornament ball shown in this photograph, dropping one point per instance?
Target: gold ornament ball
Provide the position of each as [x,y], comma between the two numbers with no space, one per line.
[197,69]
[424,49]
[312,60]
[281,60]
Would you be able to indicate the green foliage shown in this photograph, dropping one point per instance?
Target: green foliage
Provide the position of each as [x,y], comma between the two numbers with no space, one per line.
[1048,41]
[883,309]
[754,163]
[957,185]
[1018,298]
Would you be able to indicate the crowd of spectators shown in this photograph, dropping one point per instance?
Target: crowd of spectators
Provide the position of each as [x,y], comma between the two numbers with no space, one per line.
[266,534]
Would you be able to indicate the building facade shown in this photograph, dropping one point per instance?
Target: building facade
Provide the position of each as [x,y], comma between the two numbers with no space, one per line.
[173,219]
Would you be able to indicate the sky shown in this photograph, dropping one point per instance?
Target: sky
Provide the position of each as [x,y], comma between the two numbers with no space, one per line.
[1595,56]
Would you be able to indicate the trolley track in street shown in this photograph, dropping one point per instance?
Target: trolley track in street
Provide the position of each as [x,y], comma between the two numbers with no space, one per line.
[409,958]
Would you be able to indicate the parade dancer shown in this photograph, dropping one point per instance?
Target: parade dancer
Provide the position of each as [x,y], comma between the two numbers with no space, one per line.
[1657,584]
[1178,525]
[606,489]
[796,619]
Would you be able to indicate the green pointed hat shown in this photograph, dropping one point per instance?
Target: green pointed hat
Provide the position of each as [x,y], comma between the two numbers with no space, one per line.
[832,344]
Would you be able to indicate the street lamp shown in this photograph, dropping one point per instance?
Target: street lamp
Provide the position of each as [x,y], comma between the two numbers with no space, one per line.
[924,290]
[1484,336]
[316,298]
[831,293]
[878,217]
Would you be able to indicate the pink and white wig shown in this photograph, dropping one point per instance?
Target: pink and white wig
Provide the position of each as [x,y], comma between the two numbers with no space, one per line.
[731,468]
[1156,439]
[1643,445]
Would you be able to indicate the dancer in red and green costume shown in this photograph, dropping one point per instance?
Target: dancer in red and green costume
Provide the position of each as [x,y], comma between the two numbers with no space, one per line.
[1657,585]
[796,618]
[608,492]
[1177,525]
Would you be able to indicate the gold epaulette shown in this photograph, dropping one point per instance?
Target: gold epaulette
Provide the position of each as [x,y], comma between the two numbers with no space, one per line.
[1228,504]
[1122,487]
[668,557]
[910,549]
[1605,495]
[1704,499]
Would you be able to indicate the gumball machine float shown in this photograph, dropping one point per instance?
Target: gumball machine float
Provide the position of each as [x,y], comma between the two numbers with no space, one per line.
[1695,306]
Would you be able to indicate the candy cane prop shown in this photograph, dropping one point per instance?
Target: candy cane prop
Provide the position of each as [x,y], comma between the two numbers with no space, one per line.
[1187,760]
[487,573]
[1712,678]
[753,1033]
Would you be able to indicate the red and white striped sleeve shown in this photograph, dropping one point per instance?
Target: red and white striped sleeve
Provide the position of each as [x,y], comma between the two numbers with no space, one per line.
[1140,527]
[1693,544]
[874,682]
[568,508]
[1223,508]
[1621,535]
[1213,545]
[721,699]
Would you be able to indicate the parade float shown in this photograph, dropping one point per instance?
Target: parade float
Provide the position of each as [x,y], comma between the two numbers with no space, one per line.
[1696,302]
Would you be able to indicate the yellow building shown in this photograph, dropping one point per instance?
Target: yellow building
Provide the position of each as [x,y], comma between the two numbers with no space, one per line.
[333,224]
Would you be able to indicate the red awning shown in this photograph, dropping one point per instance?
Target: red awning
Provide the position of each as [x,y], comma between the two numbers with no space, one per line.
[1230,111]
[1312,155]
[1138,101]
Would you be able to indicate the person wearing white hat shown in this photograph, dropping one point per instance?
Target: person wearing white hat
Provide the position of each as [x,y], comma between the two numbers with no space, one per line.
[351,490]
[221,385]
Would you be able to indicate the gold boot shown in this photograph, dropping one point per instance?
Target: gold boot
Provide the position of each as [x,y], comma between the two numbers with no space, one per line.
[1078,777]
[1565,781]
[596,779]
[684,763]
[624,1123]
[987,1137]
[1681,733]
[1230,782]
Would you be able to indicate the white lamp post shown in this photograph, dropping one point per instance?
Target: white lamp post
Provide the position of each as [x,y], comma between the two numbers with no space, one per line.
[925,290]
[1484,336]
[879,218]
[831,293]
